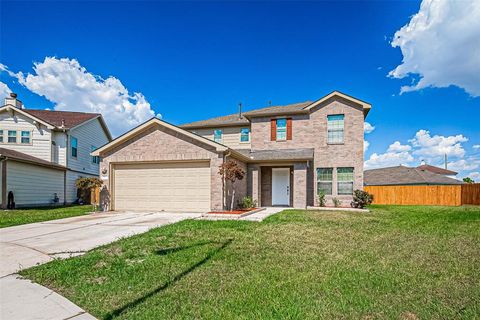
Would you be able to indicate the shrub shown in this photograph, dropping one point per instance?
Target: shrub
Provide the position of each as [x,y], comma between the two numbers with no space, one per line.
[337,202]
[361,199]
[248,202]
[321,198]
[85,186]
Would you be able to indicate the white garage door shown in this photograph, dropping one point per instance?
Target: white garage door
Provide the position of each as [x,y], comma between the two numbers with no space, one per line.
[179,186]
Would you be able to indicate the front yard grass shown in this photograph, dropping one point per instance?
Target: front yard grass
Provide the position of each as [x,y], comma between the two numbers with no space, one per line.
[10,218]
[392,263]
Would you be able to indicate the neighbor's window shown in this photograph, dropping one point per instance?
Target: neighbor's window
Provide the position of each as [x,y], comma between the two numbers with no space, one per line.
[1,136]
[281,129]
[335,127]
[345,181]
[217,135]
[324,180]
[95,159]
[12,136]
[74,146]
[244,135]
[25,137]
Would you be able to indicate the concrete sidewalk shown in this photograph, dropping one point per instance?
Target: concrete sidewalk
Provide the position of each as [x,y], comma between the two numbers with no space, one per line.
[37,243]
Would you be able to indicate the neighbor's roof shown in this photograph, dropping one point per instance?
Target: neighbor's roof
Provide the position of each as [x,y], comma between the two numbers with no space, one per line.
[70,119]
[438,170]
[276,155]
[402,175]
[295,108]
[22,157]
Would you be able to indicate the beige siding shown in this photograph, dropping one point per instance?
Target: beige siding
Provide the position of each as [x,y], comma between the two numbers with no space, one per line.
[40,137]
[89,134]
[34,185]
[59,149]
[71,193]
[231,136]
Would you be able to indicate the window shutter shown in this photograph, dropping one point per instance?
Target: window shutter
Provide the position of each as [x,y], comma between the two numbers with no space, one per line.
[289,129]
[273,130]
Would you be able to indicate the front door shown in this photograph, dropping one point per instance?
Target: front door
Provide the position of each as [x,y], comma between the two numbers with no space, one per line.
[280,186]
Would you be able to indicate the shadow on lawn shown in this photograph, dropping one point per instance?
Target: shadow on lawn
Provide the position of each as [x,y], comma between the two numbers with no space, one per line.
[178,277]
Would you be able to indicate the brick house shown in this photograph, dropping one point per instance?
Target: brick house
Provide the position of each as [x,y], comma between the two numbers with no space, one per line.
[289,153]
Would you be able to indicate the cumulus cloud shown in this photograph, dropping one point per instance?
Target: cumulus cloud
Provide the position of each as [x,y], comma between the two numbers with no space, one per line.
[366,144]
[476,146]
[464,165]
[71,87]
[4,92]
[475,176]
[440,45]
[398,147]
[397,154]
[437,146]
[367,127]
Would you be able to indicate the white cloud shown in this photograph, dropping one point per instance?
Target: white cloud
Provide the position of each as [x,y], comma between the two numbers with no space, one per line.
[4,92]
[464,165]
[476,146]
[366,144]
[437,146]
[367,127]
[71,87]
[475,176]
[398,147]
[441,45]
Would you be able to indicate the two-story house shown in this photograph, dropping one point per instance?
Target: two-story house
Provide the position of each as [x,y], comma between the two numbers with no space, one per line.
[43,152]
[290,154]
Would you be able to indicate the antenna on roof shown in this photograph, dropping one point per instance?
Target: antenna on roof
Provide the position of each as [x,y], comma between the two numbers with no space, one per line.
[446,161]
[269,103]
[239,110]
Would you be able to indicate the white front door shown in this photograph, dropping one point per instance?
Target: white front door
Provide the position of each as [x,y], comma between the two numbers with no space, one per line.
[280,186]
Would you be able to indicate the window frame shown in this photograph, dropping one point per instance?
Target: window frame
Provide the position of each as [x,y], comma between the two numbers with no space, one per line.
[341,180]
[332,129]
[283,129]
[9,136]
[242,134]
[1,136]
[94,159]
[325,181]
[29,137]
[72,138]
[215,135]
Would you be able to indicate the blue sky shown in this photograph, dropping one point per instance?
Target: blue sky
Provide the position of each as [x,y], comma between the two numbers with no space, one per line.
[194,60]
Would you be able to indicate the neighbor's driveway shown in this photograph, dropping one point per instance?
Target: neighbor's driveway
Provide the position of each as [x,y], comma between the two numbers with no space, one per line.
[30,244]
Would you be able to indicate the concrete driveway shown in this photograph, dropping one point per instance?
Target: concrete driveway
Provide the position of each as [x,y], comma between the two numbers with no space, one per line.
[31,244]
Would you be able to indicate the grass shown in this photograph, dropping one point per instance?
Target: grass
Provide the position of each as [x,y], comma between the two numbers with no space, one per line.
[392,263]
[16,217]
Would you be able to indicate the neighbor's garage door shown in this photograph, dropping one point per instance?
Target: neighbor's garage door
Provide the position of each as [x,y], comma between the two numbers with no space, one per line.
[179,186]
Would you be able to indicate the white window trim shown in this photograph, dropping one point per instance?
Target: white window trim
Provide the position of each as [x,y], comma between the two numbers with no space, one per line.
[343,130]
[221,136]
[71,147]
[276,129]
[248,141]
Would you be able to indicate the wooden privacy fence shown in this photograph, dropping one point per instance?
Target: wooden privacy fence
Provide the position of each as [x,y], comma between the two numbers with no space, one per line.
[444,195]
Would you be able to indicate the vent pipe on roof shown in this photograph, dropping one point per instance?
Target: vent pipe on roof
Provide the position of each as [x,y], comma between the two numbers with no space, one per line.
[13,101]
[423,162]
[240,110]
[63,123]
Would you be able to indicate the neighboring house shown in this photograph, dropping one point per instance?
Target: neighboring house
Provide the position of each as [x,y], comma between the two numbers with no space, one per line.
[43,152]
[289,153]
[402,175]
[437,170]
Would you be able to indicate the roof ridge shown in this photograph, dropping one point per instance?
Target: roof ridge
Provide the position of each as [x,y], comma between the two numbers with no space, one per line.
[30,109]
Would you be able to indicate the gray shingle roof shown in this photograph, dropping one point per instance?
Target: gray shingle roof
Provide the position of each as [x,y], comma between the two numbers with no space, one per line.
[283,154]
[402,175]
[438,170]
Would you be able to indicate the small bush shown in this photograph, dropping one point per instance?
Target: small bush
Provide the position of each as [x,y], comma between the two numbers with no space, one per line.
[84,186]
[361,199]
[321,198]
[248,202]
[337,202]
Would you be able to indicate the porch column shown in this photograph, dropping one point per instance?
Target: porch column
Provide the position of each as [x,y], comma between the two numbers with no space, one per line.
[300,185]
[254,183]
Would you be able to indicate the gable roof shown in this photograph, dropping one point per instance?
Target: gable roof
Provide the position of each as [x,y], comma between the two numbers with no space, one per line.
[22,157]
[294,108]
[437,170]
[402,175]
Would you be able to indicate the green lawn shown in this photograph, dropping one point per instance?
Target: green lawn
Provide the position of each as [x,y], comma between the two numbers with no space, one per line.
[392,263]
[10,218]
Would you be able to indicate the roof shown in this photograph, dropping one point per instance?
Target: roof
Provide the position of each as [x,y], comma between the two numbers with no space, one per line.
[62,119]
[437,170]
[22,157]
[294,108]
[275,155]
[402,175]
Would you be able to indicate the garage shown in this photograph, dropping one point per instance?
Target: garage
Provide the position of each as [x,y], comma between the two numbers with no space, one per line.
[168,186]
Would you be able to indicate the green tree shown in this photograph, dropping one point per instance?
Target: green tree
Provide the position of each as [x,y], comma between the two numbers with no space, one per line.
[468,180]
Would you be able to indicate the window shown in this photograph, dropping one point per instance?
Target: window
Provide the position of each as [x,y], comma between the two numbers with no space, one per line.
[95,159]
[1,136]
[25,137]
[281,129]
[335,128]
[345,181]
[244,135]
[217,135]
[74,146]
[324,180]
[12,136]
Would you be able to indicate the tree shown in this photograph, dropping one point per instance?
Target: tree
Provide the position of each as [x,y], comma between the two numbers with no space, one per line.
[468,180]
[85,186]
[231,171]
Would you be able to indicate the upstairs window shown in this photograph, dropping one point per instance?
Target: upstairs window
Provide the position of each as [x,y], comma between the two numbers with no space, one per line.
[25,137]
[95,159]
[335,126]
[12,136]
[281,129]
[1,136]
[345,181]
[244,135]
[74,146]
[217,135]
[324,180]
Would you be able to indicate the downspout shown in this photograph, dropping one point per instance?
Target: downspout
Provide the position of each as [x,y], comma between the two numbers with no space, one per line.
[224,183]
[3,191]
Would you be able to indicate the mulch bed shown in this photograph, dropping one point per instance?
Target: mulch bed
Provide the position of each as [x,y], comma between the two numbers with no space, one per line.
[233,212]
